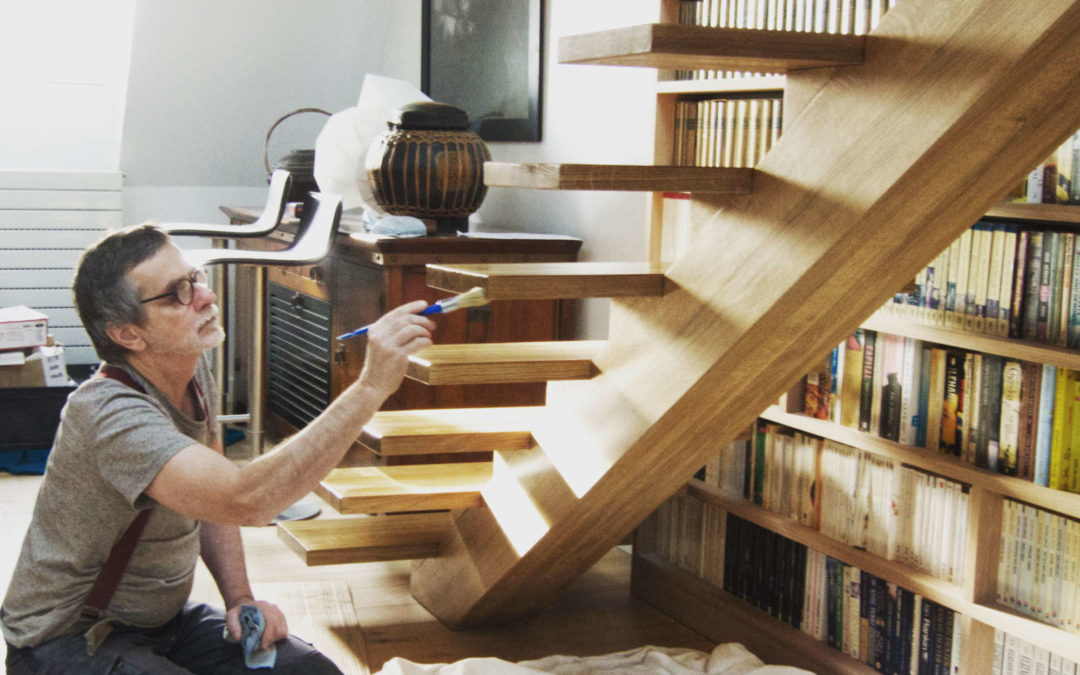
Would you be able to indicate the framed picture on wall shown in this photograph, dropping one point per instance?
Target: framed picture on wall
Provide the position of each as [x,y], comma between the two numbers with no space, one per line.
[485,57]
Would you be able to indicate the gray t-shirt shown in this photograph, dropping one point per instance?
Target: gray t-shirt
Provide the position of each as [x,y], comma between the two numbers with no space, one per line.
[111,442]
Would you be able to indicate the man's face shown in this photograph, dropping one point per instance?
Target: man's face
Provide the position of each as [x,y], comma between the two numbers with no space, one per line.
[172,327]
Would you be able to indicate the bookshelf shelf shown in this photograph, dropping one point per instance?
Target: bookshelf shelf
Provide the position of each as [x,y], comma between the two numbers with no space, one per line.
[924,584]
[1020,349]
[1050,637]
[1064,503]
[1058,214]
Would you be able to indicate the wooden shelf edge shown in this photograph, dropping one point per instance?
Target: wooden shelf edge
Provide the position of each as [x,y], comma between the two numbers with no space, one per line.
[1058,501]
[1058,214]
[677,46]
[1049,637]
[619,177]
[722,617]
[881,321]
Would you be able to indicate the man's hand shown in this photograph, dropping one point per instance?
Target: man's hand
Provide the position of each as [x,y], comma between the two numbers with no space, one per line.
[276,626]
[391,340]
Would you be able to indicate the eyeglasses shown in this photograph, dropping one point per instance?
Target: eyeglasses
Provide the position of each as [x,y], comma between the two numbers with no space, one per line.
[183,290]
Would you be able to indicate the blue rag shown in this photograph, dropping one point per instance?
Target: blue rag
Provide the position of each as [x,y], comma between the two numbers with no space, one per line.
[252,626]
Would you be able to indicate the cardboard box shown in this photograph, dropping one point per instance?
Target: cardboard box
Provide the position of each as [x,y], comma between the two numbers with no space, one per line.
[43,367]
[22,327]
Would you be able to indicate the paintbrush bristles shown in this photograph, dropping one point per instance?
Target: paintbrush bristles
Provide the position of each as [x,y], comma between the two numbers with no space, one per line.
[474,297]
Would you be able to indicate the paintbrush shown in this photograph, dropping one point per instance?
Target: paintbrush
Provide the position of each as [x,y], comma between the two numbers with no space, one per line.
[474,297]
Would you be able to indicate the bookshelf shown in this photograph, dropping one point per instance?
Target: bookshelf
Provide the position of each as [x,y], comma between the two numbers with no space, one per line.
[707,607]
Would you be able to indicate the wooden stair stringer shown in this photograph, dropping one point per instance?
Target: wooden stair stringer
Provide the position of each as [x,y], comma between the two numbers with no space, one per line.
[886,165]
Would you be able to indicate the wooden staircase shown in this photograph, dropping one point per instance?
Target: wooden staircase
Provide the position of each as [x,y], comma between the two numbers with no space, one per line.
[894,143]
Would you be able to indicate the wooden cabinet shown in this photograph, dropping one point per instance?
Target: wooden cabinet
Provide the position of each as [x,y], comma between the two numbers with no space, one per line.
[365,275]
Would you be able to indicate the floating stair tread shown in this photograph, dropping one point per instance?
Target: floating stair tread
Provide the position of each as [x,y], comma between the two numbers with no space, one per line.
[621,177]
[674,46]
[504,362]
[331,541]
[552,281]
[449,430]
[409,487]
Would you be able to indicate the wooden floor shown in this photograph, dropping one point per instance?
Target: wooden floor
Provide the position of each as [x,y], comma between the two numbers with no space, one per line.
[362,614]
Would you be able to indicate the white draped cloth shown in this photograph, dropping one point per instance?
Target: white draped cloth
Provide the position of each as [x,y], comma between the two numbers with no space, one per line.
[725,659]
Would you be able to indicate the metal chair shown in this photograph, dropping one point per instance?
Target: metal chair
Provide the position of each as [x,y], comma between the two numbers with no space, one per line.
[266,223]
[311,245]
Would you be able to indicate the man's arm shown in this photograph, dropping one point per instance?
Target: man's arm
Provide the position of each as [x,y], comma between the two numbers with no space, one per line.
[223,552]
[203,484]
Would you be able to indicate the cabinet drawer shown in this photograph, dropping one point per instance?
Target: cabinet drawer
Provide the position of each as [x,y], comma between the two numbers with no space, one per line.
[310,279]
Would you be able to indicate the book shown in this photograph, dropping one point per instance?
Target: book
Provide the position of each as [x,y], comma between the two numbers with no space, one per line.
[922,382]
[1044,427]
[1008,279]
[1016,309]
[1073,337]
[891,390]
[1062,431]
[989,438]
[976,433]
[950,438]
[1009,417]
[852,386]
[1051,242]
[1031,384]
[1032,286]
[1063,281]
[963,274]
[949,301]
[975,318]
[866,385]
[909,391]
[935,399]
[993,282]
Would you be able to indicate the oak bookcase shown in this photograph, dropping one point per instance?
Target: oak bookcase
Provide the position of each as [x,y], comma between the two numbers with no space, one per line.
[721,616]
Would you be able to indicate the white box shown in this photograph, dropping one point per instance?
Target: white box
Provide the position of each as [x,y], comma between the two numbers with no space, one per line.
[22,327]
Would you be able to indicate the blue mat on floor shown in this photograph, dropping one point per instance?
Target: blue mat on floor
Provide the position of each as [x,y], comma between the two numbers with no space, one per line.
[32,462]
[24,462]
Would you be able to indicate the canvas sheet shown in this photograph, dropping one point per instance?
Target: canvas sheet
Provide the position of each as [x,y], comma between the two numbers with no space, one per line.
[725,659]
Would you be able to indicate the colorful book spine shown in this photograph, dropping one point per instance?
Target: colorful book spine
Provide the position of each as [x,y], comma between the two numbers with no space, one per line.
[1045,427]
[1009,416]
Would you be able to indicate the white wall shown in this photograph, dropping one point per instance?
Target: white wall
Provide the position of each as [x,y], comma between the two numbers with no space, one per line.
[209,78]
[591,114]
[63,72]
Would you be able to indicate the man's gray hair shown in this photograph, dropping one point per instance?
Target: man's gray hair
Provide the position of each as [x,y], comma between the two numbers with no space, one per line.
[103,294]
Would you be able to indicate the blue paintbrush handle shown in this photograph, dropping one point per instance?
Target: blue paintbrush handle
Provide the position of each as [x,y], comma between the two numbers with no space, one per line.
[430,309]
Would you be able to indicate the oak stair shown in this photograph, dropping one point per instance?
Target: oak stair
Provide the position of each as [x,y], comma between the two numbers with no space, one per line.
[675,46]
[551,281]
[619,177]
[884,164]
[334,541]
[504,362]
[405,488]
[392,433]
